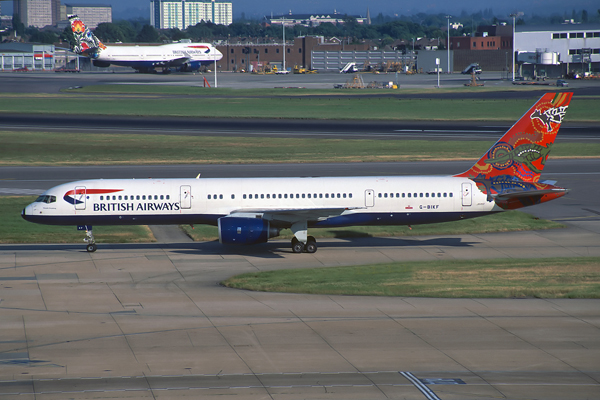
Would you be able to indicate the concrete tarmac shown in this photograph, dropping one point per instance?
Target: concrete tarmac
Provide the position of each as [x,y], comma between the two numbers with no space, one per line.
[146,321]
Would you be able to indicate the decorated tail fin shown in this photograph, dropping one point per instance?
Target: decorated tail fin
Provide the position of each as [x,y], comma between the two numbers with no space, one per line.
[86,43]
[509,172]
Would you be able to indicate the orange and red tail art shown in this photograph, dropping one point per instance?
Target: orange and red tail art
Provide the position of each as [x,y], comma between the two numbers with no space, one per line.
[516,161]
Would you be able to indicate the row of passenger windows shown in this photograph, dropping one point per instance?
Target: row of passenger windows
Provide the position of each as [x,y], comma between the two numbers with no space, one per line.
[327,195]
[137,197]
[412,195]
[286,196]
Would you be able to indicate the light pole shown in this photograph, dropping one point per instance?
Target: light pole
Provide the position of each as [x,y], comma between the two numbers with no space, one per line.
[283,25]
[514,15]
[448,46]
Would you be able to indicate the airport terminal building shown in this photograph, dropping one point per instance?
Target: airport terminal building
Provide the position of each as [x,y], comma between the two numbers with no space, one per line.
[564,49]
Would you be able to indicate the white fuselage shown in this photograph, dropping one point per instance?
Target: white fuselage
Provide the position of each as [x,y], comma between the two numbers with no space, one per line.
[363,200]
[149,56]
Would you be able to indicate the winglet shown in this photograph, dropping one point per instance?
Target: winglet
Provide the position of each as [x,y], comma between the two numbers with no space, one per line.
[86,43]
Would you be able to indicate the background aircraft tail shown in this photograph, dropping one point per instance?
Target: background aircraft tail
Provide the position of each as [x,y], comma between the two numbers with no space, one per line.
[509,171]
[86,43]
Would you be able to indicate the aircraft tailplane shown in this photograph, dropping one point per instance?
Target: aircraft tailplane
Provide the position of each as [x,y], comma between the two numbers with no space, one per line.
[509,171]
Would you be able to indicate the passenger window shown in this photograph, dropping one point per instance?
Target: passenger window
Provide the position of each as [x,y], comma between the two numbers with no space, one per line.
[220,197]
[350,195]
[101,198]
[120,197]
[244,197]
[279,195]
[232,196]
[445,194]
[209,196]
[285,196]
[426,194]
[168,197]
[114,197]
[420,194]
[409,195]
[162,197]
[143,197]
[303,195]
[338,195]
[262,196]
[344,195]
[326,195]
[250,196]
[450,194]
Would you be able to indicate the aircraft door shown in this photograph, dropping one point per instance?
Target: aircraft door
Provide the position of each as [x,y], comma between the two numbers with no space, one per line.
[466,195]
[185,196]
[369,198]
[80,197]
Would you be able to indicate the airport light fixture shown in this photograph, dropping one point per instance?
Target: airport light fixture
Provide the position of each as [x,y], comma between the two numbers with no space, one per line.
[514,15]
[448,46]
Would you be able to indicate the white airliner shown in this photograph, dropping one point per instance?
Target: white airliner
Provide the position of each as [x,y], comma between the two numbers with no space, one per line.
[181,56]
[253,210]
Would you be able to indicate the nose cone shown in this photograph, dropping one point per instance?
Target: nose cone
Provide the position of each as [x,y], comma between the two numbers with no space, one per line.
[27,213]
[218,54]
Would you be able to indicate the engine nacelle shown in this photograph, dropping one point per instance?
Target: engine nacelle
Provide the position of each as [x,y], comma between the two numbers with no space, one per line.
[101,64]
[237,230]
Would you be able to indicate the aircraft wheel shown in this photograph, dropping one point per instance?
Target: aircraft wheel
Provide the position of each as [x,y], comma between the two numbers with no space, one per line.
[311,247]
[297,246]
[91,248]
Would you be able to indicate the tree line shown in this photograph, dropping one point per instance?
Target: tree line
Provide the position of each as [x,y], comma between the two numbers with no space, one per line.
[383,28]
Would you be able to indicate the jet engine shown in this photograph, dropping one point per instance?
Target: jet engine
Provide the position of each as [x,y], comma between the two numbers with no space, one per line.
[101,64]
[240,230]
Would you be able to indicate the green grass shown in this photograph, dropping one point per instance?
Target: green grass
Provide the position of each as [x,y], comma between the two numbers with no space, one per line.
[15,229]
[52,148]
[288,104]
[504,278]
[501,222]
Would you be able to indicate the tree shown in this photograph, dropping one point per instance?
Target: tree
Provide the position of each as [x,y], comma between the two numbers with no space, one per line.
[18,26]
[43,37]
[148,34]
[109,32]
[67,36]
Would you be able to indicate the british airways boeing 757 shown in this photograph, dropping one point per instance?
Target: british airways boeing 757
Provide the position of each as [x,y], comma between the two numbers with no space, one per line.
[182,56]
[253,210]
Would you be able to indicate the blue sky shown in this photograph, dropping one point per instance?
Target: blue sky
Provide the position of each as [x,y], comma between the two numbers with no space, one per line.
[258,8]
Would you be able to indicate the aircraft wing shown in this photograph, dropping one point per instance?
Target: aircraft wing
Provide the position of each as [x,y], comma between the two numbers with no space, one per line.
[176,62]
[291,215]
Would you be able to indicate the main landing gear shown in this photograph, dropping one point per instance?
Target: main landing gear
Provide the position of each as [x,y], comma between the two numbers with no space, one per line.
[299,247]
[91,242]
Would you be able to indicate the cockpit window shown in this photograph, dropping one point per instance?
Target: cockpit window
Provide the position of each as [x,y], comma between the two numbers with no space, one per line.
[46,199]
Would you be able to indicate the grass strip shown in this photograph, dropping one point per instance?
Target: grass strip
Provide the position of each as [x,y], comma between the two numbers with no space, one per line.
[15,229]
[290,106]
[502,278]
[508,221]
[56,148]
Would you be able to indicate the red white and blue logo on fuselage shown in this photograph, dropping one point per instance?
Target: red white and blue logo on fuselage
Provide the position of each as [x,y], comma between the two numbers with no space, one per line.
[73,196]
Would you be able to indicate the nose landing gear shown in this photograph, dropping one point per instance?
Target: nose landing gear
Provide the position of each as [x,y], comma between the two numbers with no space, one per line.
[91,242]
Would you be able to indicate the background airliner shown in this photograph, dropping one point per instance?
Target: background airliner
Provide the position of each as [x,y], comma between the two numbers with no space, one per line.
[253,210]
[181,56]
